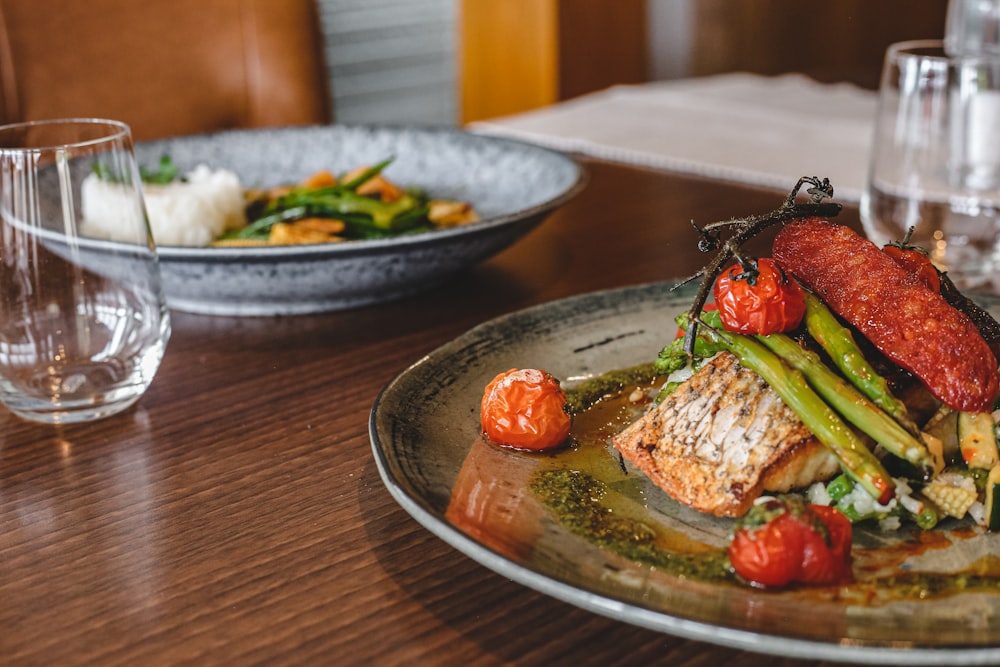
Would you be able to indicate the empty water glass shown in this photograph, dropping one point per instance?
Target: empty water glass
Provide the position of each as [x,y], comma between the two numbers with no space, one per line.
[935,163]
[83,321]
[972,27]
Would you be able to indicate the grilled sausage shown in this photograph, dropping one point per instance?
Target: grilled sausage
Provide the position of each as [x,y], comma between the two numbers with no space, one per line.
[912,325]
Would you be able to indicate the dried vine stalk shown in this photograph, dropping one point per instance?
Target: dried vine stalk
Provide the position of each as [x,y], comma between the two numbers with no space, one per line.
[744,229]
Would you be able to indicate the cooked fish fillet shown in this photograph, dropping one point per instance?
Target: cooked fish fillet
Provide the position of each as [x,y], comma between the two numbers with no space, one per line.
[722,439]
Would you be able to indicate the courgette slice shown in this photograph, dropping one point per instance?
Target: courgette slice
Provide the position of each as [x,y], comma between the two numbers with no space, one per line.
[977,439]
[944,426]
[936,449]
[993,499]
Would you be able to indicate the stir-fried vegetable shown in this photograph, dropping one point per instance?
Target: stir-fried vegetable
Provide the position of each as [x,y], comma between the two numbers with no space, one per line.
[363,202]
[855,503]
[977,439]
[953,492]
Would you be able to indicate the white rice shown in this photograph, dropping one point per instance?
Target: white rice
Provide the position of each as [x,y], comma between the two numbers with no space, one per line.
[192,212]
[978,513]
[890,524]
[818,495]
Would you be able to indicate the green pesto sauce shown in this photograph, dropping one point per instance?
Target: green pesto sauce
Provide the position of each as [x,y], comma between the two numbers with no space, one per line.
[576,500]
[589,392]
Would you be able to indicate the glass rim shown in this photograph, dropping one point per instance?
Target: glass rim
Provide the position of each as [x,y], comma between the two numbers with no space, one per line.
[934,50]
[116,130]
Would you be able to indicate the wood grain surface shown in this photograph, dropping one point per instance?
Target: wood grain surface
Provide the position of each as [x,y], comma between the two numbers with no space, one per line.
[236,517]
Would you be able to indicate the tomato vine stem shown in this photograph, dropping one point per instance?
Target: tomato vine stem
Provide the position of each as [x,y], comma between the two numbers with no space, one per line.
[744,229]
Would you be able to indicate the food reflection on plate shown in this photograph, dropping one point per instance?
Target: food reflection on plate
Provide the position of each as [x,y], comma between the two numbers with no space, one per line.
[488,501]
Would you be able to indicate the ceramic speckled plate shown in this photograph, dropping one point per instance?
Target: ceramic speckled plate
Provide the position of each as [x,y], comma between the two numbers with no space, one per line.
[425,436]
[513,185]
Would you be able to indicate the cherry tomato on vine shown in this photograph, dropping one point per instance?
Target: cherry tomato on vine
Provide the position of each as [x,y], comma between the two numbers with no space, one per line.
[525,409]
[756,297]
[786,541]
[915,261]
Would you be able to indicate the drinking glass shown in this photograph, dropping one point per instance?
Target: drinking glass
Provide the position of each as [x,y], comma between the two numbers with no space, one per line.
[972,26]
[83,320]
[935,163]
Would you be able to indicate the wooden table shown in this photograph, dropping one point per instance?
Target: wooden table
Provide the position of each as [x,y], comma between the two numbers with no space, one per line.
[236,516]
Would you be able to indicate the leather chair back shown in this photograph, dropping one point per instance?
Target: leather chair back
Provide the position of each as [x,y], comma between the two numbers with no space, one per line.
[165,67]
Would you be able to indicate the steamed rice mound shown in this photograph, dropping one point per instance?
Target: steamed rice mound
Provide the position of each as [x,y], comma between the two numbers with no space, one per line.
[192,212]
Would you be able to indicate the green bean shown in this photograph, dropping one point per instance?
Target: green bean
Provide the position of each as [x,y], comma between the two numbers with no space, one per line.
[261,226]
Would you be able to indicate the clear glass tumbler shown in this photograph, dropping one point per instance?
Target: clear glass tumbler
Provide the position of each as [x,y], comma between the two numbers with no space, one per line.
[83,321]
[972,27]
[935,162]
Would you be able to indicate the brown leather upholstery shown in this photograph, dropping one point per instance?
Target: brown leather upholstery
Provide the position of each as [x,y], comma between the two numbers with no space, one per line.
[166,67]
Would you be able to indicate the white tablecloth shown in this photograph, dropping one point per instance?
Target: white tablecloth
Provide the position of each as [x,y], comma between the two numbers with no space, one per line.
[765,131]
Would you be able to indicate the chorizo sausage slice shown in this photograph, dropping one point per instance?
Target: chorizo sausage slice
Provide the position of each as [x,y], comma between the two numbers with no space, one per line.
[912,325]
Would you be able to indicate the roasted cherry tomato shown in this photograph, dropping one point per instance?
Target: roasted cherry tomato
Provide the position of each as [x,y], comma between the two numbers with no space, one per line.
[525,409]
[826,559]
[787,540]
[756,297]
[915,261]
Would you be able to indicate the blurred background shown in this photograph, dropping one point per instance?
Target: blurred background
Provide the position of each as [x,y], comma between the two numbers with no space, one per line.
[185,66]
[454,61]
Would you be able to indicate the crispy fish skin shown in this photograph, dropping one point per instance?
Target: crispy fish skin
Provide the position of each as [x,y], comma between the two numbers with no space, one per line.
[909,323]
[722,439]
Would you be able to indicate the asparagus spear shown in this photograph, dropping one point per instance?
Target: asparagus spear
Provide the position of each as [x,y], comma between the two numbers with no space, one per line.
[839,343]
[858,462]
[849,402]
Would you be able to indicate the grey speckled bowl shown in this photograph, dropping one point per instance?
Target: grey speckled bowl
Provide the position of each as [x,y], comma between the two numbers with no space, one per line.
[513,185]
